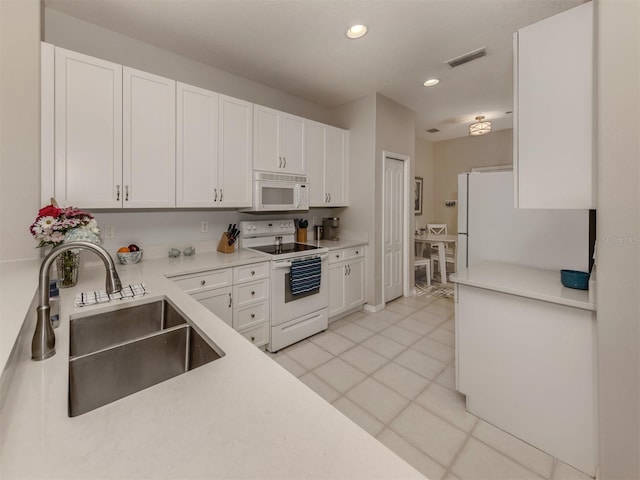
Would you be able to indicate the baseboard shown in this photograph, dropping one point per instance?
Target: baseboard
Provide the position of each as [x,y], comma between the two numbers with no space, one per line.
[373,308]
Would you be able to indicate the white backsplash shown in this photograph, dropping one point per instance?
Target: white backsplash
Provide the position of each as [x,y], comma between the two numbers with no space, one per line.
[157,231]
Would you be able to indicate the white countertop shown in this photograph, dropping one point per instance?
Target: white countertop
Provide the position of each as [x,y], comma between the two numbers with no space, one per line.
[242,416]
[523,281]
[337,244]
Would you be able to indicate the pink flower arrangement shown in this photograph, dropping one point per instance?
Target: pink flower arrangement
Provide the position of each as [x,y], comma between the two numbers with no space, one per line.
[54,225]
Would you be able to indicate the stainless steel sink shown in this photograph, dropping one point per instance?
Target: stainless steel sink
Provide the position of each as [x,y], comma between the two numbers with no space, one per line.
[115,354]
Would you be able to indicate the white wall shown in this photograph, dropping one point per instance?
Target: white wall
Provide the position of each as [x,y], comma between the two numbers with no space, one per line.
[74,34]
[424,168]
[452,157]
[618,234]
[359,117]
[19,126]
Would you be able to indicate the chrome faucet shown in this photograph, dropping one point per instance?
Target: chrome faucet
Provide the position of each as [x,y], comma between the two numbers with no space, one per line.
[43,344]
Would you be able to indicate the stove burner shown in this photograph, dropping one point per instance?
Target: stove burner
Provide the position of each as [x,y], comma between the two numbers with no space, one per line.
[285,248]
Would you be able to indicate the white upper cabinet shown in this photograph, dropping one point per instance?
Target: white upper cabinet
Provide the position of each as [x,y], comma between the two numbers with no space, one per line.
[327,165]
[553,112]
[196,147]
[88,131]
[278,141]
[235,152]
[149,135]
[214,145]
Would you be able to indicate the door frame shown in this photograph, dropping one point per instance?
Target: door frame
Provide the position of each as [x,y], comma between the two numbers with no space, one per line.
[407,213]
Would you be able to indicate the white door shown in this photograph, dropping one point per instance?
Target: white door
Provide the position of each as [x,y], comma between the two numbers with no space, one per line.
[335,166]
[149,140]
[266,132]
[315,163]
[88,131]
[236,151]
[393,228]
[197,147]
[292,142]
[219,301]
[355,284]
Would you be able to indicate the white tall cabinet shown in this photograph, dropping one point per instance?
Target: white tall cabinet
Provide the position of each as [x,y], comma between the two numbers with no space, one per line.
[553,112]
[279,141]
[88,130]
[327,165]
[213,159]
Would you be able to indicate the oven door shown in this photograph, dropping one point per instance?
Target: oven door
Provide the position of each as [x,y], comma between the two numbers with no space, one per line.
[284,305]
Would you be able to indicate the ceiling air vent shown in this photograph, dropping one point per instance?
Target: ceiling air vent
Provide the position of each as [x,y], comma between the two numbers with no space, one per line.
[467,57]
[433,130]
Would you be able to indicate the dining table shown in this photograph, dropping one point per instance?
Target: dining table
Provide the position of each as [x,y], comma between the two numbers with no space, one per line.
[440,241]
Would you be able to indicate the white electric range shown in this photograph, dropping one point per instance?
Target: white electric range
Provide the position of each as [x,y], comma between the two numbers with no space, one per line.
[294,316]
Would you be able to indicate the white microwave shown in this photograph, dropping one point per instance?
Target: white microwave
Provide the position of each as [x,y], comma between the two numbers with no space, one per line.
[277,192]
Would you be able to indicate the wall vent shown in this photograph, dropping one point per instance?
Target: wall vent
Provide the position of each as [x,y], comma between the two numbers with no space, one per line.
[433,130]
[467,57]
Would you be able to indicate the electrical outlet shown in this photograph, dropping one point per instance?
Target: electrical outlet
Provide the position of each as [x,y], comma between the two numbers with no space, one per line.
[204,227]
[109,231]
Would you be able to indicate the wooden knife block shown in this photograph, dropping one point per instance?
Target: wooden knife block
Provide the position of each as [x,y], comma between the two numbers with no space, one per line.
[223,244]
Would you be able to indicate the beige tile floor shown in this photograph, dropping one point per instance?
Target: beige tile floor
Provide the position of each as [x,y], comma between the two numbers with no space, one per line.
[392,373]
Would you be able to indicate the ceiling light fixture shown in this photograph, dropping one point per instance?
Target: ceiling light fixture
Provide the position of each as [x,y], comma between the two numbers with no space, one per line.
[479,127]
[356,31]
[431,82]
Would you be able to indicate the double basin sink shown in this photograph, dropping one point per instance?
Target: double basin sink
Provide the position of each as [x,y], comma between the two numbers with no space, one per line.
[118,353]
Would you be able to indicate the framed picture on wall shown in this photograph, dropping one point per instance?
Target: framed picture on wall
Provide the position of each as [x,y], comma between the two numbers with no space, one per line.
[417,196]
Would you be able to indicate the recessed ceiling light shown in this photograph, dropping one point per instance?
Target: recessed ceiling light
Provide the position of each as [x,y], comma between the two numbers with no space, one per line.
[431,82]
[357,31]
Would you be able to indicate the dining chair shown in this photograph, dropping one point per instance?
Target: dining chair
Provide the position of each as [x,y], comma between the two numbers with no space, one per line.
[423,262]
[449,249]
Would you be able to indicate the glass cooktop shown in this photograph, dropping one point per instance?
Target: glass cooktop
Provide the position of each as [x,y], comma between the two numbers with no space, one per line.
[285,248]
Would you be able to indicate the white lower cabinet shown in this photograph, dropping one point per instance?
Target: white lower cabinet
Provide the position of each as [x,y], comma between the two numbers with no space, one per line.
[219,301]
[346,280]
[238,295]
[528,367]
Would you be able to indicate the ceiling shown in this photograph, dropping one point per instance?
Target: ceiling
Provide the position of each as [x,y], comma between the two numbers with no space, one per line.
[300,47]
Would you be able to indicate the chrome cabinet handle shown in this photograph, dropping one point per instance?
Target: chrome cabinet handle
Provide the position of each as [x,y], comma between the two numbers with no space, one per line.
[253,339]
[285,161]
[229,300]
[279,162]
[117,193]
[202,282]
[126,193]
[253,292]
[215,193]
[220,194]
[253,315]
[345,271]
[253,272]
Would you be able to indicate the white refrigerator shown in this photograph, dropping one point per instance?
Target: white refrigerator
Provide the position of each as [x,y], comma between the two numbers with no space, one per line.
[490,228]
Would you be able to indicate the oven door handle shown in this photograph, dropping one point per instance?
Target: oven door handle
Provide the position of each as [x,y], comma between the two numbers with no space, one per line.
[287,263]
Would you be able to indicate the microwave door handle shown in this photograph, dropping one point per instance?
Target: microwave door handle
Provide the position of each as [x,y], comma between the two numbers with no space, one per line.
[296,196]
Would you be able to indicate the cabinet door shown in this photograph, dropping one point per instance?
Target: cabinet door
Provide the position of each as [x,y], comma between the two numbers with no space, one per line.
[355,284]
[292,143]
[218,301]
[197,146]
[553,119]
[315,164]
[266,133]
[337,284]
[335,166]
[236,150]
[149,132]
[88,131]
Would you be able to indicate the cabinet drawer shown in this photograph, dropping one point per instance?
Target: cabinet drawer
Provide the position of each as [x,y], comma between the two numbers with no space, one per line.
[248,293]
[248,273]
[205,280]
[336,256]
[353,252]
[252,315]
[258,335]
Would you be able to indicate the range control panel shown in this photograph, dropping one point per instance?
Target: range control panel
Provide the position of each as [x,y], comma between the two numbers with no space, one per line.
[261,228]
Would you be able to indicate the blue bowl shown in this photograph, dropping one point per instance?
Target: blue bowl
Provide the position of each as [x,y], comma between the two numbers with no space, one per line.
[575,279]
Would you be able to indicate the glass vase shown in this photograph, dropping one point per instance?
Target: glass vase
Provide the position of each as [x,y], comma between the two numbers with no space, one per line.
[67,265]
